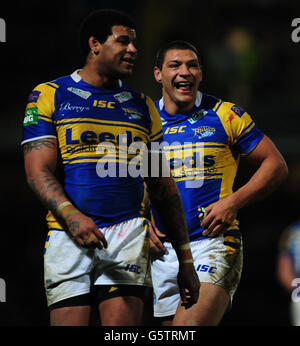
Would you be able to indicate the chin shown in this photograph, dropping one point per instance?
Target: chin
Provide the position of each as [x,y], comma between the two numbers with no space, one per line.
[186,99]
[126,73]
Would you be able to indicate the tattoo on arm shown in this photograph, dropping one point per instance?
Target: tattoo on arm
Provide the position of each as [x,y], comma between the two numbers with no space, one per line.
[167,202]
[47,189]
[38,145]
[44,184]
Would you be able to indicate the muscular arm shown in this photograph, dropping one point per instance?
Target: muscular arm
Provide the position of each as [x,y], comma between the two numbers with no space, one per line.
[166,199]
[40,159]
[271,171]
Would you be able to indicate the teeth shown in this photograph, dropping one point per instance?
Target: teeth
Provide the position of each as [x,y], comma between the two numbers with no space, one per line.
[128,60]
[183,84]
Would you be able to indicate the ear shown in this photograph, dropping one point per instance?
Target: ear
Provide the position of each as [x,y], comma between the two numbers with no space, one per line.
[157,74]
[201,71]
[94,45]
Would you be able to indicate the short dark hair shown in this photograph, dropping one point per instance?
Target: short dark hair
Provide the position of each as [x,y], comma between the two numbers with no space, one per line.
[98,24]
[178,44]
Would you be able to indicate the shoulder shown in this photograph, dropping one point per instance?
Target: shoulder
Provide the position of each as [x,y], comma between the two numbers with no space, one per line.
[207,101]
[141,98]
[49,87]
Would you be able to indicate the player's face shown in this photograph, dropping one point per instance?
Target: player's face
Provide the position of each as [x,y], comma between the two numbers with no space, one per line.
[180,76]
[118,52]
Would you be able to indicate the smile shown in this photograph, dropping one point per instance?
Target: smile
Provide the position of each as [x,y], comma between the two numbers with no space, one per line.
[128,61]
[183,86]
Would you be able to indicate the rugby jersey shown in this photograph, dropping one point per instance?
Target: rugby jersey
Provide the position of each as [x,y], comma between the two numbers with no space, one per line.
[81,116]
[203,149]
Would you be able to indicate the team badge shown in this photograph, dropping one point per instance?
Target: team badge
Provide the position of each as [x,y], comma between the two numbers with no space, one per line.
[204,131]
[132,113]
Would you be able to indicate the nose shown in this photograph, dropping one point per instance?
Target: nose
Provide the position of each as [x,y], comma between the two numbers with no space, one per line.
[184,70]
[131,48]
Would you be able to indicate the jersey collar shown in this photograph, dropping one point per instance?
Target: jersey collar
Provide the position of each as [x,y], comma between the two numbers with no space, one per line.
[197,103]
[174,118]
[76,78]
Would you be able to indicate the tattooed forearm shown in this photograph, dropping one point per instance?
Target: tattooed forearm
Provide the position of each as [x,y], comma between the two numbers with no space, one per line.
[47,189]
[167,202]
[38,145]
[40,158]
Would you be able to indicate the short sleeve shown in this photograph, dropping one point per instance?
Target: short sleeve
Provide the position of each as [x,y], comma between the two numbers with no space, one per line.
[242,131]
[38,120]
[156,126]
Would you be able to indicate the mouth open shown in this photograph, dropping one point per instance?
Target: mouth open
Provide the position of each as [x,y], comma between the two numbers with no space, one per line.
[129,62]
[184,86]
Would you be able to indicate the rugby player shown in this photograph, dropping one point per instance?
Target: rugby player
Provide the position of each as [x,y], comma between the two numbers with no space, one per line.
[204,138]
[97,248]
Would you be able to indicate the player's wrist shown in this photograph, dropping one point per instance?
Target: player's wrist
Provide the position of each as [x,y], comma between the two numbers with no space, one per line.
[65,210]
[184,253]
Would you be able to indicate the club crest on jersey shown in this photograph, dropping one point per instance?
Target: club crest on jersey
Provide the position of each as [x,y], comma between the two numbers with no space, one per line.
[204,131]
[81,93]
[132,113]
[123,96]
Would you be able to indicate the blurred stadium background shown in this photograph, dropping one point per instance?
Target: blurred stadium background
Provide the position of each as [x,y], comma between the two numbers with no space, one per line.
[248,58]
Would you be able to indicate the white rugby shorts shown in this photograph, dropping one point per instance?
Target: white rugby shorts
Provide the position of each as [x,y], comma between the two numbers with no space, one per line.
[215,262]
[70,270]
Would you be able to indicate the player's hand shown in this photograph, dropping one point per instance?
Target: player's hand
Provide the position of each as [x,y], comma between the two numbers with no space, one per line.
[220,215]
[189,284]
[157,247]
[85,232]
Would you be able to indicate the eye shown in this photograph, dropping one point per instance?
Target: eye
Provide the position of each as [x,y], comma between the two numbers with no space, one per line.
[173,65]
[194,65]
[124,40]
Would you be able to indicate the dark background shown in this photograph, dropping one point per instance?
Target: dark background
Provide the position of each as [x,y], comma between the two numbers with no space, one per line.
[248,58]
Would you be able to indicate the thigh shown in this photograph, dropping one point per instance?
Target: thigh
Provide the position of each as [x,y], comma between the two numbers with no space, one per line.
[70,316]
[217,264]
[164,278]
[208,311]
[67,268]
[126,261]
[121,311]
[219,261]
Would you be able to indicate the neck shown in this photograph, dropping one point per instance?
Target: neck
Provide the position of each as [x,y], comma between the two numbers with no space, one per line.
[92,76]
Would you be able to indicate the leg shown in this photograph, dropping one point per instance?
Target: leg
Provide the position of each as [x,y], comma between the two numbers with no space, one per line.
[66,268]
[209,310]
[70,316]
[167,323]
[121,311]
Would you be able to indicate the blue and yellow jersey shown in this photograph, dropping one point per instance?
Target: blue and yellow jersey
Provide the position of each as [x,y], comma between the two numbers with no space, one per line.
[289,244]
[203,149]
[95,128]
